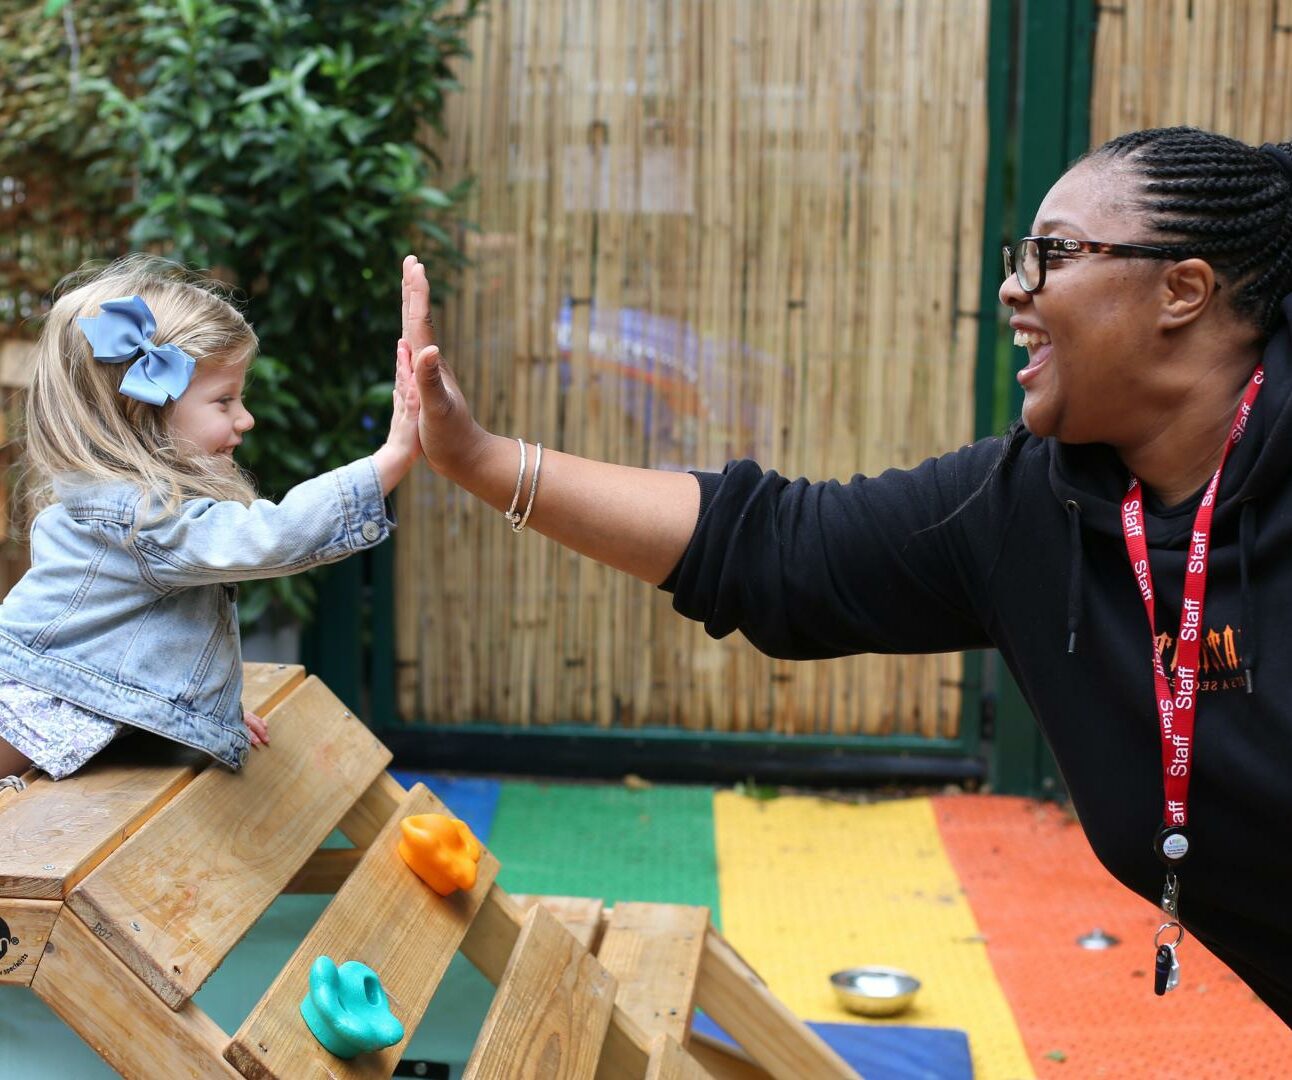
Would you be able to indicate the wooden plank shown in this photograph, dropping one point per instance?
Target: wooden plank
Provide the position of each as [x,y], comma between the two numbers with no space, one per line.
[669,1061]
[266,686]
[492,937]
[385,917]
[179,894]
[550,1015]
[731,992]
[489,944]
[653,951]
[55,833]
[368,816]
[119,1017]
[24,929]
[325,871]
[724,1062]
[580,915]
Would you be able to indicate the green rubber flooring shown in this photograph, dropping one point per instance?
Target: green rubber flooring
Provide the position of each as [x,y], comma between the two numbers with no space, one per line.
[611,842]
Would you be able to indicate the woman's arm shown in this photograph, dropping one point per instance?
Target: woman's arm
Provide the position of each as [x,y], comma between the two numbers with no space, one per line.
[636,520]
[803,570]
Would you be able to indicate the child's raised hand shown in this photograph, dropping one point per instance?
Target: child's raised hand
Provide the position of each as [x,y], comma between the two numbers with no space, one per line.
[401,448]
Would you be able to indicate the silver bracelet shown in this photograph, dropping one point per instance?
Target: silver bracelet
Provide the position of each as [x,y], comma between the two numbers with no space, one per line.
[533,487]
[510,514]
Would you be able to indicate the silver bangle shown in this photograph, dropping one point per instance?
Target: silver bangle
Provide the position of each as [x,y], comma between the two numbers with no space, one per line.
[533,487]
[510,514]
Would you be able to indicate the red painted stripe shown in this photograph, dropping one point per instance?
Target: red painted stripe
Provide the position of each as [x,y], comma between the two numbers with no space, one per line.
[1035,886]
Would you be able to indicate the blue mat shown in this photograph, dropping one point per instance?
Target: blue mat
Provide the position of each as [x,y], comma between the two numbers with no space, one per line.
[884,1052]
[474,800]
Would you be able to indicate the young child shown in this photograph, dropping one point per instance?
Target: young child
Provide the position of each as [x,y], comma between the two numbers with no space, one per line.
[127,617]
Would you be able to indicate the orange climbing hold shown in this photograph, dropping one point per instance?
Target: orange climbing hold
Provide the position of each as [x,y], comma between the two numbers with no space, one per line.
[441,851]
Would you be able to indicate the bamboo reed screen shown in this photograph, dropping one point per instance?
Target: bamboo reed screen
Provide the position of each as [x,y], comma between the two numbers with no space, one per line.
[709,229]
[1224,65]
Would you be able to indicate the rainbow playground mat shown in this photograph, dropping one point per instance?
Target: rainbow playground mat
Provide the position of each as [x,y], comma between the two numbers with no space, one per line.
[981,897]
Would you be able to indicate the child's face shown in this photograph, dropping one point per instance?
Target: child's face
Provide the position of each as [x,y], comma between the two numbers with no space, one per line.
[210,414]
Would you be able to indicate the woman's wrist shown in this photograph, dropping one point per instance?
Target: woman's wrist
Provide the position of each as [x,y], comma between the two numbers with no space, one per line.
[474,461]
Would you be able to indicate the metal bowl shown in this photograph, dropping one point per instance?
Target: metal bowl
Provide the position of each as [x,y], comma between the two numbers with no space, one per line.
[874,991]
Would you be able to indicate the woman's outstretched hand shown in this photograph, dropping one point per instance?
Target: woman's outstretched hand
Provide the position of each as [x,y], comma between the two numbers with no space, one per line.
[452,441]
[636,520]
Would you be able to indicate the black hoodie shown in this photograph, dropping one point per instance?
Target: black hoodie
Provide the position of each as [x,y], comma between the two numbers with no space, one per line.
[1017,544]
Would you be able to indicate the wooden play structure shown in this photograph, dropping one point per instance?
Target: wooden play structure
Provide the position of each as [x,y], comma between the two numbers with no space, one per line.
[123,888]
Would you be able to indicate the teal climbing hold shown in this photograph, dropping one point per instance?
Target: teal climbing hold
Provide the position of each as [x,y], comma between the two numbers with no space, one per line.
[346,1009]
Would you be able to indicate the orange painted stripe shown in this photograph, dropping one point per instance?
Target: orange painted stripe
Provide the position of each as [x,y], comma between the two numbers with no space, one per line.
[1034,887]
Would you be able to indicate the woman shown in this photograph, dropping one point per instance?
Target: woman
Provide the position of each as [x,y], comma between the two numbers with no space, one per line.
[1124,546]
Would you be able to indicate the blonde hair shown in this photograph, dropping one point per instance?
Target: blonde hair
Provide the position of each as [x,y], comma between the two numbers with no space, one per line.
[78,423]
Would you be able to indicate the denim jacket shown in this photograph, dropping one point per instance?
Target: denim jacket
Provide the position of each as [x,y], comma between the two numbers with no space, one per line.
[137,620]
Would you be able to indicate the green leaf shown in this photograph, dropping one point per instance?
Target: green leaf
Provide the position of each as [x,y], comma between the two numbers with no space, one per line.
[258,93]
[263,171]
[53,7]
[305,65]
[207,204]
[435,197]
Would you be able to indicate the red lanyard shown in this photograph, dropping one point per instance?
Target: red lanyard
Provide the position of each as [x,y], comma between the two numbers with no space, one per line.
[1177,708]
[1176,711]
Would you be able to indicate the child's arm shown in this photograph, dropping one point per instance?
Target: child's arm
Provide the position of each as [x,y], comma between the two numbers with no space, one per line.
[319,521]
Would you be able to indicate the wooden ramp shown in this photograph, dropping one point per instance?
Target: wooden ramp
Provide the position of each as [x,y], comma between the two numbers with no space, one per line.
[124,888]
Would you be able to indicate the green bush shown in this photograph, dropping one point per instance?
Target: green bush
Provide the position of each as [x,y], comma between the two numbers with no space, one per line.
[62,178]
[283,144]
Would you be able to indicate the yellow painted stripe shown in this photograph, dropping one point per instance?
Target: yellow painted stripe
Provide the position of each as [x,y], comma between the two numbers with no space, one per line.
[810,886]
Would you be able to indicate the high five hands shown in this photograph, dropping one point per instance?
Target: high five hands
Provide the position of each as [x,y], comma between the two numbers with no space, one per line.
[451,439]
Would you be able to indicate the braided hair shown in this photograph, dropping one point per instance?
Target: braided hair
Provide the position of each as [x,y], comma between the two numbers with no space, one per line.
[1219,199]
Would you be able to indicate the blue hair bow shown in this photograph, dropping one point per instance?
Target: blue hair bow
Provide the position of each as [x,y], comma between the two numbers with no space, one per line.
[124,332]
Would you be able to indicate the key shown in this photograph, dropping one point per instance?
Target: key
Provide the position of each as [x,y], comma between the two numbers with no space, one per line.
[1166,970]
[1162,969]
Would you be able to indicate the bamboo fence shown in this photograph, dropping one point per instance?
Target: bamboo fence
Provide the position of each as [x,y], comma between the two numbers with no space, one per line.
[1224,65]
[708,229]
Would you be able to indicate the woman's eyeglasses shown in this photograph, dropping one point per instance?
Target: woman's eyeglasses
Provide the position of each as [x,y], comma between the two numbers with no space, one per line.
[1028,258]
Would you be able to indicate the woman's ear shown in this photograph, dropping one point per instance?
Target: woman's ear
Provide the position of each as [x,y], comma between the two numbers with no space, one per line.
[1189,286]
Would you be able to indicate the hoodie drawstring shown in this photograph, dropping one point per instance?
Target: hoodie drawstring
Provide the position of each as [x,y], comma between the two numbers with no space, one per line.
[1074,572]
[1246,548]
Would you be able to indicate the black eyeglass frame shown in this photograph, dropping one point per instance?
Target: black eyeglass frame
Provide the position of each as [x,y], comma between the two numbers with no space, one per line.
[1046,244]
